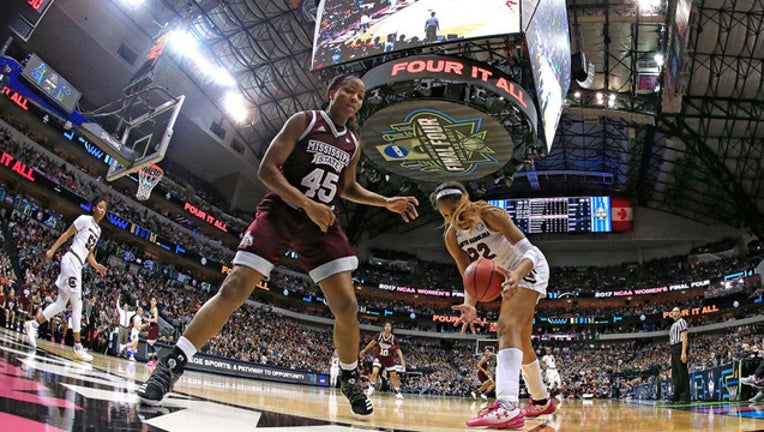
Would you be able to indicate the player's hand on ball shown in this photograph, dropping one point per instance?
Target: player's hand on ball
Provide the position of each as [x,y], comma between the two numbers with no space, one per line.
[469,314]
[320,214]
[512,280]
[405,206]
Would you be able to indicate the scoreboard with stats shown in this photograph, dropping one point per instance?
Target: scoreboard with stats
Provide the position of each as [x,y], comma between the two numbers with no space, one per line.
[590,214]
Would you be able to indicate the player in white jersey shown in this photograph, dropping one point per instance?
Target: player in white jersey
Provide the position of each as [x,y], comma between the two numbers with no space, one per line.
[479,230]
[334,369]
[552,375]
[86,233]
[135,333]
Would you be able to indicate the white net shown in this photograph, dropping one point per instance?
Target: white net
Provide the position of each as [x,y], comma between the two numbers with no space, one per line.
[148,177]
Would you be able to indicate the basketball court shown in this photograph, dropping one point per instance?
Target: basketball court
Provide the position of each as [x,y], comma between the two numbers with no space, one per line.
[46,391]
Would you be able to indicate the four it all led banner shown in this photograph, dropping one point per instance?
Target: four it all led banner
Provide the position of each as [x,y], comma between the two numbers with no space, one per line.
[431,138]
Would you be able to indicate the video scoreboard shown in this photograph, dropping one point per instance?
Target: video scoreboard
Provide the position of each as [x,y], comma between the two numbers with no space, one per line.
[590,214]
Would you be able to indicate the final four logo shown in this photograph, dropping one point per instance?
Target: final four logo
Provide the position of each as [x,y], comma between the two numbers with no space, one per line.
[431,141]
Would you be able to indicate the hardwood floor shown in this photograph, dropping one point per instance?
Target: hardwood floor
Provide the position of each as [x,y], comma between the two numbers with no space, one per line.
[46,390]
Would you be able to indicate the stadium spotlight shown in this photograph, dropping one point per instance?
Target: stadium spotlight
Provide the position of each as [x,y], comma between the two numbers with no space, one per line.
[659,59]
[235,106]
[184,43]
[213,72]
[222,77]
[133,3]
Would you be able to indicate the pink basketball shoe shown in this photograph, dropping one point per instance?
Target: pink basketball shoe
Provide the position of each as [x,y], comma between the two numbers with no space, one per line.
[533,410]
[500,415]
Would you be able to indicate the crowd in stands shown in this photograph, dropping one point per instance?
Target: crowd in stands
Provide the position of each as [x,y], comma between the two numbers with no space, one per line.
[259,334]
[423,309]
[662,272]
[188,187]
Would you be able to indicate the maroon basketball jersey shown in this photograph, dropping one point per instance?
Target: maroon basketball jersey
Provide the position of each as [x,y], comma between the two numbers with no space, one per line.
[386,346]
[318,162]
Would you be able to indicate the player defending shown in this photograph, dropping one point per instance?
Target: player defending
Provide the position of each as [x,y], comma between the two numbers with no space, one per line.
[484,375]
[478,229]
[152,356]
[308,167]
[552,375]
[86,233]
[386,343]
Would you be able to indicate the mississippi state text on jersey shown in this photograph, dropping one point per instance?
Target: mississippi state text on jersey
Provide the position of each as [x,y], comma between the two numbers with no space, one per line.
[317,164]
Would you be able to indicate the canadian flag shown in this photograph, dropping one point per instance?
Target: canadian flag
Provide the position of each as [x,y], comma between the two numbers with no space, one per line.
[623,215]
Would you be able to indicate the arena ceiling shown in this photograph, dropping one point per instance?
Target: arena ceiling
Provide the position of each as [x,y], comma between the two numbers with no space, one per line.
[699,157]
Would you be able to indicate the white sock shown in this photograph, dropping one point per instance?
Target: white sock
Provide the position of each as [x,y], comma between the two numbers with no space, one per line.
[508,361]
[534,382]
[77,346]
[187,347]
[349,366]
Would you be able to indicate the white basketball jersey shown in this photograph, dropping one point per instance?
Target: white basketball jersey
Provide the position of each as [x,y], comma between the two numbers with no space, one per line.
[548,360]
[335,362]
[136,330]
[88,233]
[481,242]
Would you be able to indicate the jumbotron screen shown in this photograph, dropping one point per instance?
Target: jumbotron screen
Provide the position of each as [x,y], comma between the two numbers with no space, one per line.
[351,30]
[590,214]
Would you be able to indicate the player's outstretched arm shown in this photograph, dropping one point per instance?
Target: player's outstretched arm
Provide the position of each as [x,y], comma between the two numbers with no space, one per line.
[60,240]
[369,346]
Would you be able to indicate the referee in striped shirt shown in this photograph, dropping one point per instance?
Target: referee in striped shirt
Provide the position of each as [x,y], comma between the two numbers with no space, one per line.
[679,342]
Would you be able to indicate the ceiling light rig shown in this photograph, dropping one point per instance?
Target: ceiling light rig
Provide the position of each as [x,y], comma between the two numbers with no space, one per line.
[188,47]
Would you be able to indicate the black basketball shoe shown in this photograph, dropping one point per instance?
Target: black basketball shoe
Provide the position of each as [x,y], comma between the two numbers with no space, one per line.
[166,373]
[350,384]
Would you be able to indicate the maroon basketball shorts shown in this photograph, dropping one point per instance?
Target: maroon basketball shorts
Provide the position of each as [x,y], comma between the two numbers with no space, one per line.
[153,332]
[387,362]
[278,228]
[482,377]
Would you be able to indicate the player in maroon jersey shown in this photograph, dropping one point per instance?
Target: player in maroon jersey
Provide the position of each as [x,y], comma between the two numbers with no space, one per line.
[484,374]
[308,167]
[386,344]
[152,320]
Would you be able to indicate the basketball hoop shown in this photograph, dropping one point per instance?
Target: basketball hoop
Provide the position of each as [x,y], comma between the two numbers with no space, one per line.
[148,178]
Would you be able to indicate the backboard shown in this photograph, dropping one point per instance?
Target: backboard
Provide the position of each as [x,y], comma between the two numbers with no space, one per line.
[142,132]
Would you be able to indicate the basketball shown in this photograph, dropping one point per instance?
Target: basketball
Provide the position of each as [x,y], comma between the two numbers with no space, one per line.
[483,279]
